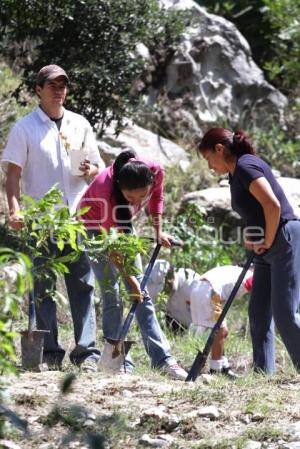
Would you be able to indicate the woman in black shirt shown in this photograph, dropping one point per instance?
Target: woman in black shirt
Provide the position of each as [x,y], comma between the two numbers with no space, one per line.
[272,232]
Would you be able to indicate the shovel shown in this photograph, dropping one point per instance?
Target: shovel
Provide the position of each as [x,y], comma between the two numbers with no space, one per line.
[115,351]
[201,357]
[32,340]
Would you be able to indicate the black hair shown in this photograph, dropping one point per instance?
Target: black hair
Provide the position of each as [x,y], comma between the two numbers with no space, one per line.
[130,175]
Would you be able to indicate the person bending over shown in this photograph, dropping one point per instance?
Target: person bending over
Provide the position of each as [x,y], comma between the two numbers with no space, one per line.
[114,197]
[196,301]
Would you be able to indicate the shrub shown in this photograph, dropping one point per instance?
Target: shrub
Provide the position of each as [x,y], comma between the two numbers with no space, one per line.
[95,41]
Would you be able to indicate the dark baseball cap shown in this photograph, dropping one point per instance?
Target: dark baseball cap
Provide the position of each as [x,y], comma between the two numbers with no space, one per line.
[49,73]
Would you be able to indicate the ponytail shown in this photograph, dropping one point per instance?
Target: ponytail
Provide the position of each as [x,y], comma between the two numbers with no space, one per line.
[241,144]
[236,144]
[121,160]
[129,174]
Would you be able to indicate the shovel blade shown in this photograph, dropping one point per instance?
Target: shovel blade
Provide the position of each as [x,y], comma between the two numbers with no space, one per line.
[113,355]
[197,367]
[32,345]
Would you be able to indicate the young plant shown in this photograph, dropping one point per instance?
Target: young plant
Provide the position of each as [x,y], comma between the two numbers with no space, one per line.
[48,218]
[113,244]
[48,221]
[14,281]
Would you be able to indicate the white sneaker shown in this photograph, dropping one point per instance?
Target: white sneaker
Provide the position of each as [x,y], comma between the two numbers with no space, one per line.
[174,370]
[126,370]
[89,366]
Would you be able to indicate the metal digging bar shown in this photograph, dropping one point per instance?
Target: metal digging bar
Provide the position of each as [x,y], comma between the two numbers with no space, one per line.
[201,357]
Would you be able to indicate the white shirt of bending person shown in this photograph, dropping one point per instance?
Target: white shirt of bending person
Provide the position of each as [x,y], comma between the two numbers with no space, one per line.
[156,281]
[192,300]
[42,152]
[209,293]
[178,304]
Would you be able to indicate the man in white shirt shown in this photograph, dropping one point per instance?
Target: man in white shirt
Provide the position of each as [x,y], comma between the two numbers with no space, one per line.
[36,157]
[196,301]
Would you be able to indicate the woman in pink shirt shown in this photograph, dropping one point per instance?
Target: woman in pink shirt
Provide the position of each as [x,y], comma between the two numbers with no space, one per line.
[114,197]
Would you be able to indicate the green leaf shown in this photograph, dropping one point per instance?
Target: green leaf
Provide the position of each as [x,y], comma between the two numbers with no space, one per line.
[60,244]
[67,383]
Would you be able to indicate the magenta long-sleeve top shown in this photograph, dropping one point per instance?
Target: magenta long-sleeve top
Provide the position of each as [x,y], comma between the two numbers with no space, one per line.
[99,198]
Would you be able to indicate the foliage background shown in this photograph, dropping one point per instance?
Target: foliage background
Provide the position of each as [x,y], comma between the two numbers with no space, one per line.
[96,43]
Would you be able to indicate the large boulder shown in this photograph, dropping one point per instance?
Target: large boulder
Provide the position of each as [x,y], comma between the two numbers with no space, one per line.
[217,203]
[145,143]
[213,78]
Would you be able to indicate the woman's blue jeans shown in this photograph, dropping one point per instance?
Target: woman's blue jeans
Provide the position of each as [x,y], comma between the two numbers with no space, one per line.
[276,295]
[155,342]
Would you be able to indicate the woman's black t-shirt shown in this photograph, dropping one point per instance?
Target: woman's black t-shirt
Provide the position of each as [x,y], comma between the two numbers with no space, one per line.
[249,168]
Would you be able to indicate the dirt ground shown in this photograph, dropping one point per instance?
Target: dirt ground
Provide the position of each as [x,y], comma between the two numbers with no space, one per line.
[150,410]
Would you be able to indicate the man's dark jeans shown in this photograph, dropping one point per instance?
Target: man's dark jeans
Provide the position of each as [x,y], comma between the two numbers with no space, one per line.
[80,287]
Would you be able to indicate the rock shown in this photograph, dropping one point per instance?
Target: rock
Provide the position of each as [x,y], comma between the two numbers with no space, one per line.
[127,394]
[210,412]
[92,417]
[7,444]
[217,203]
[293,445]
[88,423]
[171,423]
[33,419]
[163,420]
[145,393]
[293,431]
[46,446]
[207,378]
[252,445]
[291,187]
[152,442]
[212,78]
[145,143]
[257,417]
[167,438]
[155,412]
[191,415]
[245,419]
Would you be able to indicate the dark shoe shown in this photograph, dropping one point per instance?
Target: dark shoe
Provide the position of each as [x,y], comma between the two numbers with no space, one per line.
[227,372]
